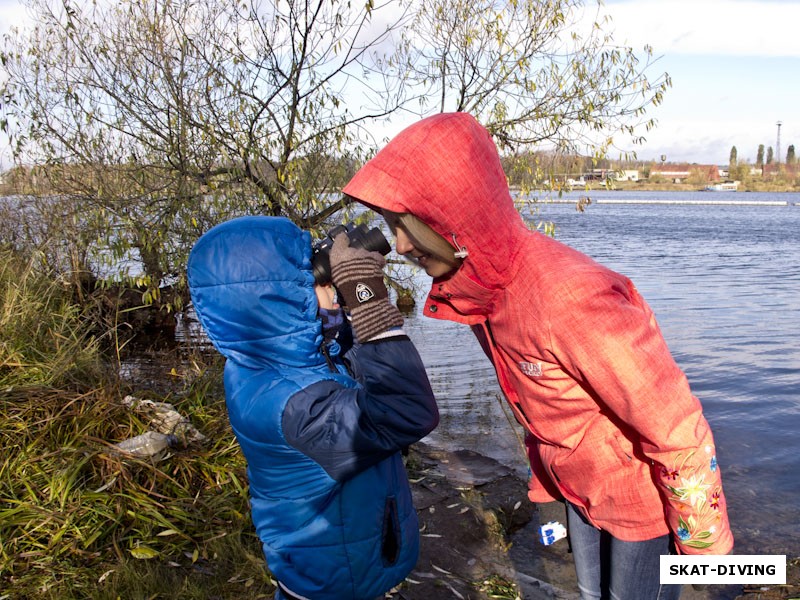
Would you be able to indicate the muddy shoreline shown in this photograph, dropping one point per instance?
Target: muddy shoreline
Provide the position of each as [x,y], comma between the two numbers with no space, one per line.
[480,537]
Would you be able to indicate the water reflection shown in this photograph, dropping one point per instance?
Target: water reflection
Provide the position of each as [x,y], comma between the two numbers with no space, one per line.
[473,413]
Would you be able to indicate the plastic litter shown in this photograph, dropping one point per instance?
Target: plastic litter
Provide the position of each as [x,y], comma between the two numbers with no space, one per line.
[165,419]
[148,444]
[551,532]
[169,430]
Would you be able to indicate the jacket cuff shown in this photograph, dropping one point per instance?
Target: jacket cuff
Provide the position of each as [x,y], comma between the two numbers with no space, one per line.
[372,320]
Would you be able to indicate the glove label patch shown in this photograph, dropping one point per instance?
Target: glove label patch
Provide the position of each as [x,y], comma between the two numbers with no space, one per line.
[364,293]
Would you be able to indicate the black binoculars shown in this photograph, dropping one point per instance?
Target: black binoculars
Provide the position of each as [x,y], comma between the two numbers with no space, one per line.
[359,236]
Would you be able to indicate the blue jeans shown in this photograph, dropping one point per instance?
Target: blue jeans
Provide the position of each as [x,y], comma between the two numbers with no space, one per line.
[611,569]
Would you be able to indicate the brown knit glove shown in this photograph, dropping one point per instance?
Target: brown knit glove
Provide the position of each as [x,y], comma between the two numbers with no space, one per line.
[358,276]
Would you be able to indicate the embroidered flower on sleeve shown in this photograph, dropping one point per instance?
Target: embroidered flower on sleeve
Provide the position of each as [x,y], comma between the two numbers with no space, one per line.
[670,473]
[691,535]
[683,534]
[697,499]
[693,489]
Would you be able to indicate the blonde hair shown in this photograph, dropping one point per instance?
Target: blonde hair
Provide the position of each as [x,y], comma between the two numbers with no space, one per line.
[427,240]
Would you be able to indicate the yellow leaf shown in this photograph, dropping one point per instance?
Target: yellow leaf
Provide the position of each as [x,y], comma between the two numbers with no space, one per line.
[143,553]
[167,532]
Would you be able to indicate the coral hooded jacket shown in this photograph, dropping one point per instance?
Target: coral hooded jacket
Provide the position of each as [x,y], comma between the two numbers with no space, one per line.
[612,424]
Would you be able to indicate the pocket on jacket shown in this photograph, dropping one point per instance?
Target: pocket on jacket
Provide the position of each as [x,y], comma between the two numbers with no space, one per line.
[618,443]
[594,467]
[390,539]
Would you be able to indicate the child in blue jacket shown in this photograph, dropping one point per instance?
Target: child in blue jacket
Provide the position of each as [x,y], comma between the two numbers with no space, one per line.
[322,436]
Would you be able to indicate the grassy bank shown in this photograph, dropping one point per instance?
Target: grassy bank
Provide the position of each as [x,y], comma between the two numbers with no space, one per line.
[79,520]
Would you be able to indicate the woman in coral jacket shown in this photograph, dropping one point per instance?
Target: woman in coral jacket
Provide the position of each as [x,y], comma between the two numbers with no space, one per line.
[612,426]
[329,495]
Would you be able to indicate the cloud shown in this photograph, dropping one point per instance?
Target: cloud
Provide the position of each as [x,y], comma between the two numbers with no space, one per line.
[12,14]
[708,27]
[687,139]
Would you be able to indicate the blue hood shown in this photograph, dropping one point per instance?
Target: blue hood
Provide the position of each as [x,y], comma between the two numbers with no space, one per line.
[253,291]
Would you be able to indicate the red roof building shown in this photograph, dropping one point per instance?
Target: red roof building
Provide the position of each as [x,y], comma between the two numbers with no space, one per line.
[774,169]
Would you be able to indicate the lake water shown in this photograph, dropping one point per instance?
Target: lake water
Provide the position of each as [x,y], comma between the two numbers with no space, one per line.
[724,282]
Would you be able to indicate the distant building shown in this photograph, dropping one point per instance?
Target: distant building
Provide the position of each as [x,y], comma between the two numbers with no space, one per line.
[678,173]
[626,175]
[612,174]
[773,169]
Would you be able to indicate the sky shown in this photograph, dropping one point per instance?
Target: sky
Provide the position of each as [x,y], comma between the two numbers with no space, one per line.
[734,64]
[735,68]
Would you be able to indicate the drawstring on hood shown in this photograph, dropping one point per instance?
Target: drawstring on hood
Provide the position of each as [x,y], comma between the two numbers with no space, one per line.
[462,250]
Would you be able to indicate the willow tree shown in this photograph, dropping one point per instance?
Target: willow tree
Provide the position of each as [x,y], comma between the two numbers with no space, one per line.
[537,74]
[157,118]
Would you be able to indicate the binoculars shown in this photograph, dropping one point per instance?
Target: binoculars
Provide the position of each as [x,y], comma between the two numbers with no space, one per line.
[359,236]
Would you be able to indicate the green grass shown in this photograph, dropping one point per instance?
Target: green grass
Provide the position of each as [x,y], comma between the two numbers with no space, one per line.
[498,587]
[78,520]
[44,339]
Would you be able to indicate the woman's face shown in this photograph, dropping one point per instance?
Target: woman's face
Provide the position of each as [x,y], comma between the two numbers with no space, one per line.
[408,247]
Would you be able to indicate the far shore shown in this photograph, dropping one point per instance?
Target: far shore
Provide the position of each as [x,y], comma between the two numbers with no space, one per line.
[642,185]
[647,186]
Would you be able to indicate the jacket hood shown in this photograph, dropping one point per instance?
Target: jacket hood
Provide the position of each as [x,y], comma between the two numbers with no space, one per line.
[446,171]
[252,288]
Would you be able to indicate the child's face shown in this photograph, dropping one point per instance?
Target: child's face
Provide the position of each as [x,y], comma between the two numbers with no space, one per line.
[326,296]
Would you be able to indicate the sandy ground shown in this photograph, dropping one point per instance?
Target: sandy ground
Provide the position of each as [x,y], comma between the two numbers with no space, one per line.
[480,538]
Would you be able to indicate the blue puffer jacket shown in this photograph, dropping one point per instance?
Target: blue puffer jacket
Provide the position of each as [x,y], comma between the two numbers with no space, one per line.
[329,494]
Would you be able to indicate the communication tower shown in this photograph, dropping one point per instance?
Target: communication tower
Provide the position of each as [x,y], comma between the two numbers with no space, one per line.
[778,144]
